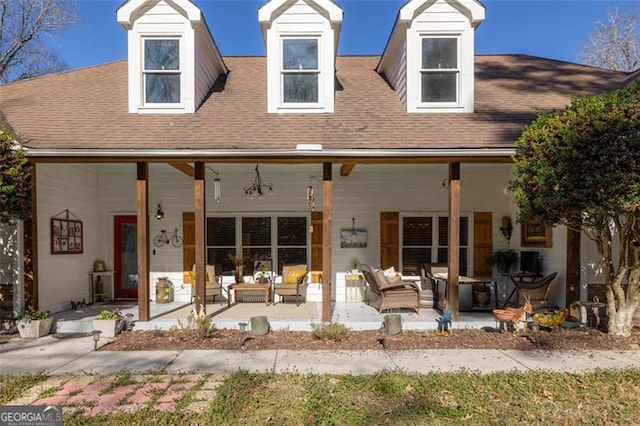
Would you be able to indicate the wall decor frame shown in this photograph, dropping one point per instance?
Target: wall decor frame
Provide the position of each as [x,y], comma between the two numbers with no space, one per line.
[353,238]
[535,235]
[67,234]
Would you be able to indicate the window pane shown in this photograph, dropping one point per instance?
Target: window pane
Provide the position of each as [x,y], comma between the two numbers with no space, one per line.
[161,54]
[443,231]
[413,257]
[256,231]
[439,86]
[292,231]
[417,231]
[254,254]
[291,255]
[300,54]
[221,231]
[300,88]
[162,88]
[220,257]
[439,53]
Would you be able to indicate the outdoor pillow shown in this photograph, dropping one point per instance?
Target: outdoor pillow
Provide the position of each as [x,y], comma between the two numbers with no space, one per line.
[295,276]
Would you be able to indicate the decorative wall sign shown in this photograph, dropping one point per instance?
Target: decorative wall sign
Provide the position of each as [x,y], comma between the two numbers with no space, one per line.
[534,235]
[66,234]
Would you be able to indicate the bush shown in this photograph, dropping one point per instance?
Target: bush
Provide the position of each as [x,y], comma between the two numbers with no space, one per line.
[330,331]
[198,325]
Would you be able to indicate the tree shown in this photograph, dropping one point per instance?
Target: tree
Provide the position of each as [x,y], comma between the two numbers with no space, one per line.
[15,179]
[615,44]
[25,28]
[581,168]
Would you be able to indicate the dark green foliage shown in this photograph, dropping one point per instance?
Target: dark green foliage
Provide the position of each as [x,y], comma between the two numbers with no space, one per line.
[15,179]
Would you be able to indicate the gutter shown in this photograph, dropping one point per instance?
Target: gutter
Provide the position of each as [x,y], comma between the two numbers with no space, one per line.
[135,154]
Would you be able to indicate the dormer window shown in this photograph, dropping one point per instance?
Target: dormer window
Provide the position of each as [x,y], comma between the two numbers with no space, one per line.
[162,72]
[440,73]
[300,71]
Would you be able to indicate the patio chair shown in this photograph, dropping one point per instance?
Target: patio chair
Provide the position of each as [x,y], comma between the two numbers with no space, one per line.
[385,294]
[537,291]
[293,283]
[213,284]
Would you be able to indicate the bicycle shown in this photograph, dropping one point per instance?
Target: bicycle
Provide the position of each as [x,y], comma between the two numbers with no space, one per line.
[173,239]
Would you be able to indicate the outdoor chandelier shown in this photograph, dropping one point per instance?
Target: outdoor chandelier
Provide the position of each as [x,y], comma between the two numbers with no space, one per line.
[258,189]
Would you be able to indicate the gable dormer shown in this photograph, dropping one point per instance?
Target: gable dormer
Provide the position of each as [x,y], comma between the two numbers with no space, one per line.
[173,59]
[301,39]
[429,58]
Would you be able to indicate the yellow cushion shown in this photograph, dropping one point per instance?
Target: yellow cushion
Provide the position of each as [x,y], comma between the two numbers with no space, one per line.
[294,276]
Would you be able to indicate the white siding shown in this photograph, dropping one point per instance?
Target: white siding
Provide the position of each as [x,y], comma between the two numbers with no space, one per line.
[64,277]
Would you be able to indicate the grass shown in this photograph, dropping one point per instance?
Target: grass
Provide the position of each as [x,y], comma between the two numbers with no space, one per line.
[393,398]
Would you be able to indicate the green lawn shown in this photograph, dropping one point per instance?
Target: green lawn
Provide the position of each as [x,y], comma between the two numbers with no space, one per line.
[392,398]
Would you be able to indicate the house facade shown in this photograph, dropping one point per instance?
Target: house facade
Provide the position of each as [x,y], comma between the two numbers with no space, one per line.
[284,158]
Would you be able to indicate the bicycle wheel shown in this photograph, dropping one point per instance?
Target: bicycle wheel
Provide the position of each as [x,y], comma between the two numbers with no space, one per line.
[159,240]
[176,241]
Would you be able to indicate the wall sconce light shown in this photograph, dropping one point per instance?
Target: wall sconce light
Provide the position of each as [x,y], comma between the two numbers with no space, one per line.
[507,227]
[159,213]
[445,184]
[257,189]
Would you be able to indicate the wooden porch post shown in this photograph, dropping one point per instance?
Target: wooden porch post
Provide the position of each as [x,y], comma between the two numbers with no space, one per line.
[200,218]
[142,208]
[326,242]
[454,237]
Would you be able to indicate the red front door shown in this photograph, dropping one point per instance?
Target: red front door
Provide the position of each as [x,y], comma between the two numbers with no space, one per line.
[125,255]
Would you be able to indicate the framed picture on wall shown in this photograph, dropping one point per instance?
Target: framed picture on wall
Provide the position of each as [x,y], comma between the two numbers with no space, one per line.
[66,235]
[353,238]
[535,235]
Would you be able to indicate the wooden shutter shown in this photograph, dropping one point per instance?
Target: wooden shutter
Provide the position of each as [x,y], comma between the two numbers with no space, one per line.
[389,240]
[189,246]
[316,241]
[482,243]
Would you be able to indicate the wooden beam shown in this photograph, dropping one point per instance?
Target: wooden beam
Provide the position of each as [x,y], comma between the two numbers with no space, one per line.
[346,169]
[326,241]
[142,211]
[184,168]
[200,219]
[454,238]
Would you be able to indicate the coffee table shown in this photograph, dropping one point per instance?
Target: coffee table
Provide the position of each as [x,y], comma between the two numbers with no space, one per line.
[266,288]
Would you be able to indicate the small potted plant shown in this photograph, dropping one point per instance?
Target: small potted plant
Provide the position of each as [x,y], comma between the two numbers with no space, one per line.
[108,322]
[239,261]
[503,260]
[34,323]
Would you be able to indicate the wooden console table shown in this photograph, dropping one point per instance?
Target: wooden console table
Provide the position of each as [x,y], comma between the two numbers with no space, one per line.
[266,288]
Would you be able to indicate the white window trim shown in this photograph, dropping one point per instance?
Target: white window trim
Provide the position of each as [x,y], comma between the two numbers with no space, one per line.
[165,107]
[458,71]
[293,106]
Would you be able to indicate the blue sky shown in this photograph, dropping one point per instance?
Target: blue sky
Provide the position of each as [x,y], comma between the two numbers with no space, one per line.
[548,28]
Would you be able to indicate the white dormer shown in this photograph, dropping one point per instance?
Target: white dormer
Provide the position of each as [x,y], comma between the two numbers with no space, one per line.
[301,39]
[429,58]
[173,59]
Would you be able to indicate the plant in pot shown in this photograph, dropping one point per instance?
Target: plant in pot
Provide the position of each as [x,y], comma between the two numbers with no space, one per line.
[239,262]
[109,323]
[34,323]
[503,260]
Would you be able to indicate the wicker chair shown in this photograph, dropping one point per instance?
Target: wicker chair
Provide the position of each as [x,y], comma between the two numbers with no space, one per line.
[292,283]
[385,294]
[213,285]
[537,291]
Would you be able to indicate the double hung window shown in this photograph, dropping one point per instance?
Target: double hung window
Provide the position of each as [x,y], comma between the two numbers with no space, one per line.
[439,72]
[300,71]
[161,71]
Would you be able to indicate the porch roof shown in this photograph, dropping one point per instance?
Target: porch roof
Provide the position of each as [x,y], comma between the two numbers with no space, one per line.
[85,112]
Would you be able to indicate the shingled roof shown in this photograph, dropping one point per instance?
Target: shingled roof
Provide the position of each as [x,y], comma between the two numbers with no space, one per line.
[87,109]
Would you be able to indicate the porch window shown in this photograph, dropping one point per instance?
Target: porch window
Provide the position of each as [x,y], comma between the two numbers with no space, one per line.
[422,244]
[300,71]
[257,238]
[161,72]
[439,72]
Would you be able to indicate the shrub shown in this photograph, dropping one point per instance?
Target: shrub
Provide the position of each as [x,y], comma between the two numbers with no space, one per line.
[198,325]
[334,331]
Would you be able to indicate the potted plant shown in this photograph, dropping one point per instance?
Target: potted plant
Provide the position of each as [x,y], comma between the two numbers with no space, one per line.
[108,323]
[503,260]
[239,261]
[34,323]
